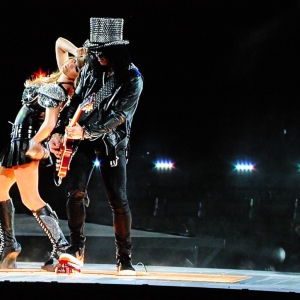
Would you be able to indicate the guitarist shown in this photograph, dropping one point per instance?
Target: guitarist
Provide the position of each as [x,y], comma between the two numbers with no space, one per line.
[115,85]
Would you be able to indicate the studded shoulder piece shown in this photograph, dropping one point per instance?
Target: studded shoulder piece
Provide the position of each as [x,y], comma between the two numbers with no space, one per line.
[30,94]
[51,95]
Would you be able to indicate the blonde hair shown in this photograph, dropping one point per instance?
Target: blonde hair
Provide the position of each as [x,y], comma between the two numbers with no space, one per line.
[43,80]
[53,77]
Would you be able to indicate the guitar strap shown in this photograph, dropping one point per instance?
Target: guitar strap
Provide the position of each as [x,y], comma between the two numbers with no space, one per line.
[103,93]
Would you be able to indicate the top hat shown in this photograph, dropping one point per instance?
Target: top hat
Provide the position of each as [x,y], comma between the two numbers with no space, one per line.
[105,32]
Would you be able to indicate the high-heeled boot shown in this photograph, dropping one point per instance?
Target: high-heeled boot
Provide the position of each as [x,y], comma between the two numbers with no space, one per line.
[48,220]
[9,247]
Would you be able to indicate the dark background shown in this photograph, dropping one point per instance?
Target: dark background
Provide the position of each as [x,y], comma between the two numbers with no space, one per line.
[221,86]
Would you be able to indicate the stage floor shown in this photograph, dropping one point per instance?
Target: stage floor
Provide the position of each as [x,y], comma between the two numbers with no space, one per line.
[149,278]
[153,276]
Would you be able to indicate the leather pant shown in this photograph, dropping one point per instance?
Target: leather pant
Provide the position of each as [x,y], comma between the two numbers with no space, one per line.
[114,180]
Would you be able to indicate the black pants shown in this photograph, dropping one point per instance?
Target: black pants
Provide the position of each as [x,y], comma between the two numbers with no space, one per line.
[114,181]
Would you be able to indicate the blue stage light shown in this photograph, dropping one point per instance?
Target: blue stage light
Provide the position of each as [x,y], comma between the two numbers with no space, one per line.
[97,163]
[244,167]
[164,165]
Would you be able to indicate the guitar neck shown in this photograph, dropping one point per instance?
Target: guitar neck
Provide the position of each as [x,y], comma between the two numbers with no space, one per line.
[83,106]
[76,116]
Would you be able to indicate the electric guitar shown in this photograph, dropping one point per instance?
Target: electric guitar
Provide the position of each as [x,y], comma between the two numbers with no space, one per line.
[67,147]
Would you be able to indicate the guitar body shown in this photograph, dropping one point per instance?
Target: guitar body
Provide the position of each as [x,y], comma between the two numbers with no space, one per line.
[67,147]
[64,162]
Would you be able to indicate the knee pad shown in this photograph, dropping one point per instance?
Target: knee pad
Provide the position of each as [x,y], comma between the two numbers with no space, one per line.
[78,196]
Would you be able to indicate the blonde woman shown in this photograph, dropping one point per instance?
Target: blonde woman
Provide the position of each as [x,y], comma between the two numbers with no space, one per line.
[42,101]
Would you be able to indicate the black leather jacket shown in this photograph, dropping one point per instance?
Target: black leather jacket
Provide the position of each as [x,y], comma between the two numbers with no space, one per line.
[111,119]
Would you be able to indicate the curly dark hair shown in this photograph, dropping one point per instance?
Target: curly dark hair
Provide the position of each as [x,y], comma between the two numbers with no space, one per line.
[119,59]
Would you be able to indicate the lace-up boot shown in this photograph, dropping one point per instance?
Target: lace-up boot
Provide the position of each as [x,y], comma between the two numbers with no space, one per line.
[48,220]
[9,247]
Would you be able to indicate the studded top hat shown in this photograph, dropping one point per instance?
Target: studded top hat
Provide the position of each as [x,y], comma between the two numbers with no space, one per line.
[105,32]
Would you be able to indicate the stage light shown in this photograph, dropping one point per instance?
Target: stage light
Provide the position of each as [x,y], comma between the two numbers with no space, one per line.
[96,163]
[40,74]
[244,167]
[278,254]
[164,165]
